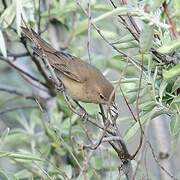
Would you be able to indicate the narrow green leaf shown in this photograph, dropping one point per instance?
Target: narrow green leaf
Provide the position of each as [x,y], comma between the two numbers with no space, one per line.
[125,38]
[127,45]
[23,174]
[176,84]
[3,137]
[3,175]
[18,14]
[101,7]
[177,100]
[146,58]
[114,12]
[156,4]
[7,17]
[170,46]
[176,5]
[175,125]
[19,156]
[83,25]
[162,89]
[147,117]
[147,105]
[173,72]
[146,38]
[107,34]
[2,45]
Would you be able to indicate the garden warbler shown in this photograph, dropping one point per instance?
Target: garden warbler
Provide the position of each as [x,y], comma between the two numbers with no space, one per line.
[82,81]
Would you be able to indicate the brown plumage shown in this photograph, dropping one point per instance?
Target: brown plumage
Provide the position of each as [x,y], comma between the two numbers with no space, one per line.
[82,81]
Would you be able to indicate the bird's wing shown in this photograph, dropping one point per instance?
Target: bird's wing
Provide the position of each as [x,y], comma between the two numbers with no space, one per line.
[63,63]
[60,61]
[67,72]
[71,67]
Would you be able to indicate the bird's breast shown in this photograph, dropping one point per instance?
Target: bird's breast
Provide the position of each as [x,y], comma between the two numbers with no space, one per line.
[75,90]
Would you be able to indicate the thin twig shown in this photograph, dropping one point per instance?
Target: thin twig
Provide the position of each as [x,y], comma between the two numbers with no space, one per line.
[163,58]
[89,31]
[39,16]
[121,150]
[13,90]
[137,111]
[132,60]
[15,55]
[132,20]
[21,71]
[170,21]
[71,34]
[123,21]
[84,115]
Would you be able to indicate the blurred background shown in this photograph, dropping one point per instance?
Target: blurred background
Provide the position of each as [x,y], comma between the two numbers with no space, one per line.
[135,43]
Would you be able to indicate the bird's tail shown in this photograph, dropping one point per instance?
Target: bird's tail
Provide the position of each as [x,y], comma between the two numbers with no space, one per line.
[37,40]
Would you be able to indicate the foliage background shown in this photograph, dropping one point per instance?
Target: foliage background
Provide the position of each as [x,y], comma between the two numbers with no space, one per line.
[47,144]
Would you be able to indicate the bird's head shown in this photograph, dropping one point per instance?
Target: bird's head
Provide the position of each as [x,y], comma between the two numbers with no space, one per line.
[102,92]
[106,93]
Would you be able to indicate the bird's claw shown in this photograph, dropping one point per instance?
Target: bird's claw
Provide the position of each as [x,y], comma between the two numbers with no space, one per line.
[59,87]
[83,115]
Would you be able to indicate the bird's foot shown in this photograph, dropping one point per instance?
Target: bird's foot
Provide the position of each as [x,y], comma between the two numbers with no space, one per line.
[59,87]
[83,114]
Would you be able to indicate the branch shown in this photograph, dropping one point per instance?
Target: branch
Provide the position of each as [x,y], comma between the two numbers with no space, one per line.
[123,21]
[14,55]
[131,19]
[170,20]
[13,90]
[20,70]
[84,115]
[163,58]
[132,60]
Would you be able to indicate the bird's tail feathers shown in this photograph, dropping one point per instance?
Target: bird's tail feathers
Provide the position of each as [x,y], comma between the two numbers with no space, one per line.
[37,40]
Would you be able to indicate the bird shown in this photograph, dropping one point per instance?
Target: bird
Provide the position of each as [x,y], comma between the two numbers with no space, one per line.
[81,80]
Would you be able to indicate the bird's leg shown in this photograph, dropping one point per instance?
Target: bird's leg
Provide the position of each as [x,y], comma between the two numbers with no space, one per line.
[73,109]
[83,113]
[60,86]
[113,112]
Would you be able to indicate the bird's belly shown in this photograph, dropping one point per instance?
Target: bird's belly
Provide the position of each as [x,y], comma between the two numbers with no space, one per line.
[76,90]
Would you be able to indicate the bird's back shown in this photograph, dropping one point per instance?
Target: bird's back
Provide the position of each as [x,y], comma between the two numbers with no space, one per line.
[67,64]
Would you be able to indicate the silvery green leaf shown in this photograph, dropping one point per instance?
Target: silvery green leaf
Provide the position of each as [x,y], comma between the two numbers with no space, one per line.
[7,16]
[146,38]
[2,45]
[170,46]
[18,15]
[172,73]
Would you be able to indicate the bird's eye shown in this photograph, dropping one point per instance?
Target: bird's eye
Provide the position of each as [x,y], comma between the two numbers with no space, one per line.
[101,96]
